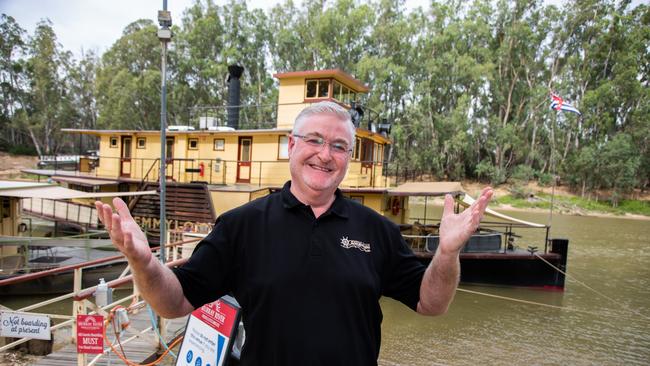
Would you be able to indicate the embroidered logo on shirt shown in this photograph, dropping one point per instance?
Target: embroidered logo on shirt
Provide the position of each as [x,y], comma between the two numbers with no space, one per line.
[347,244]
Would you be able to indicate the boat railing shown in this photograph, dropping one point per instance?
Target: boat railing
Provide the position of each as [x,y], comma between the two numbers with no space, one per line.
[81,298]
[62,210]
[419,235]
[218,171]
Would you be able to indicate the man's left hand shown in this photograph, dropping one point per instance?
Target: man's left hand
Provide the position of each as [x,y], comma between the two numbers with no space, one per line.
[456,229]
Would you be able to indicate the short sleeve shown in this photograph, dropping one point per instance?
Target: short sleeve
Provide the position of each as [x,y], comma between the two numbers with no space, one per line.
[209,273]
[403,272]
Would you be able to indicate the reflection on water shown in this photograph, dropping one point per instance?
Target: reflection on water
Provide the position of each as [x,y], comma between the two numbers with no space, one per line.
[609,254]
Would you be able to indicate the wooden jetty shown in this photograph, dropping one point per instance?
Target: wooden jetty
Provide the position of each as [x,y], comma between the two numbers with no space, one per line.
[142,346]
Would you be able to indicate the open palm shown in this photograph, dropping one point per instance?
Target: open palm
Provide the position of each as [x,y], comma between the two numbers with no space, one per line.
[125,233]
[456,229]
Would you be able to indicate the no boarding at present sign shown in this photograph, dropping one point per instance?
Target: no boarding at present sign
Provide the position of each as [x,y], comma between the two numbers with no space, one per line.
[209,334]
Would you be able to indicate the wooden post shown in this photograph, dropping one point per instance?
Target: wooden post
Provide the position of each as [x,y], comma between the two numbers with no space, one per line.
[78,308]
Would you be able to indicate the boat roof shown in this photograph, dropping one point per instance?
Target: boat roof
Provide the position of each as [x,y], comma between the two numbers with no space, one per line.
[338,74]
[50,191]
[467,201]
[261,131]
[427,189]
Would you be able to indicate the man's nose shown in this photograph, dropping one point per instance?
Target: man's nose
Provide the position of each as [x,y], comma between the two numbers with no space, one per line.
[325,152]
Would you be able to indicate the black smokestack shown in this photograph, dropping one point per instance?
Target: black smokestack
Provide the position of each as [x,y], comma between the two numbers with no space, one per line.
[234,88]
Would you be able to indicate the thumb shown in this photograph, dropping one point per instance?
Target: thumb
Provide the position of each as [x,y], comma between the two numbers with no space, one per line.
[449,206]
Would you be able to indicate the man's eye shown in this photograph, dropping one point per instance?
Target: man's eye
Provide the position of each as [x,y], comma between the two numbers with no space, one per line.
[339,147]
[314,141]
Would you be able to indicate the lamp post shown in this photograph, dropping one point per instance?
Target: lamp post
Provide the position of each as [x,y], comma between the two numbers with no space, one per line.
[165,36]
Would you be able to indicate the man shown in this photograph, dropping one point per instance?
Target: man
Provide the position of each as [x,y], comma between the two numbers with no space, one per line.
[307,265]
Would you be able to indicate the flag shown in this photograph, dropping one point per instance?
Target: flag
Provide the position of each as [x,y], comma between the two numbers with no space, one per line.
[559,105]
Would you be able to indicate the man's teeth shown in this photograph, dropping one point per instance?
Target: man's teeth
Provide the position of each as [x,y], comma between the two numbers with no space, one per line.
[321,168]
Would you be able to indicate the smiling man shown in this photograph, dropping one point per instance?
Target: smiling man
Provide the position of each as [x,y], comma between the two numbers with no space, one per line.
[307,265]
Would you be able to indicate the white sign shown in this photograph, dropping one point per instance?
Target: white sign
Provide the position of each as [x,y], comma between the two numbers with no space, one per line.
[24,325]
[208,334]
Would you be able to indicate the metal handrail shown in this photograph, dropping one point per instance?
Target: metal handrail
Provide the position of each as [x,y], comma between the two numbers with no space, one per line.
[41,274]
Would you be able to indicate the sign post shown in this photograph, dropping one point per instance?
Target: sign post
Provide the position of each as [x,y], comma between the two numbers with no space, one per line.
[209,334]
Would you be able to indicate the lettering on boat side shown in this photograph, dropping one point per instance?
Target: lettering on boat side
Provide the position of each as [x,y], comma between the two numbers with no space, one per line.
[154,223]
[356,244]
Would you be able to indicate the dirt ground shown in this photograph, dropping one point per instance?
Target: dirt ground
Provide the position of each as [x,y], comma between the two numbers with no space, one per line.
[10,165]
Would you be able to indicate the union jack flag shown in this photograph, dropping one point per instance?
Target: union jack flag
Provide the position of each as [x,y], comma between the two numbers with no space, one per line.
[559,104]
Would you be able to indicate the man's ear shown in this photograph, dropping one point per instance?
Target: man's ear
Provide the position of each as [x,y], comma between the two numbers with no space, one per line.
[292,143]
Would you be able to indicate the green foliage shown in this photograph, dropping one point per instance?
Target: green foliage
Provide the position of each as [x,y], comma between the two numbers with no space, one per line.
[544,179]
[523,173]
[465,84]
[23,150]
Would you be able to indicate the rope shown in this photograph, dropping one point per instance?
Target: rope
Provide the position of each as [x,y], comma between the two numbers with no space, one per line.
[152,317]
[122,356]
[625,307]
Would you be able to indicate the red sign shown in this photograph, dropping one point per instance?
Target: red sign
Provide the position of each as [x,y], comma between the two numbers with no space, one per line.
[219,315]
[90,334]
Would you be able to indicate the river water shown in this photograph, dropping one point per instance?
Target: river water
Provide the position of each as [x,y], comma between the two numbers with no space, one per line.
[611,255]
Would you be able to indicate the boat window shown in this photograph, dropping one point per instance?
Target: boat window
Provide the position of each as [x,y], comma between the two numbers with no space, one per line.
[169,151]
[366,150]
[357,149]
[337,91]
[317,88]
[379,152]
[113,142]
[283,147]
[126,147]
[193,144]
[142,142]
[245,149]
[312,86]
[219,144]
[6,207]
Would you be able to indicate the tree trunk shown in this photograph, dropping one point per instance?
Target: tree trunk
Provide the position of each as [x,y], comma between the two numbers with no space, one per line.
[37,145]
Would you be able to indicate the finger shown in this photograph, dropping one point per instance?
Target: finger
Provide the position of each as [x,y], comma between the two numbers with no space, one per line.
[448,207]
[122,208]
[106,214]
[99,206]
[483,201]
[116,232]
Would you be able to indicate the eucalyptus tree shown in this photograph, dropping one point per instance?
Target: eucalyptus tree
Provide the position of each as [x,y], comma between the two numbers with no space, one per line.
[47,104]
[213,37]
[128,80]
[13,81]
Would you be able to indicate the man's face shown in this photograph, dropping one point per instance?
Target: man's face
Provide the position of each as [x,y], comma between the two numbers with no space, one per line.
[319,170]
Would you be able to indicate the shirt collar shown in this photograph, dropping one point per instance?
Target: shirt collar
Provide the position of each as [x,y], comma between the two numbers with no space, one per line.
[340,206]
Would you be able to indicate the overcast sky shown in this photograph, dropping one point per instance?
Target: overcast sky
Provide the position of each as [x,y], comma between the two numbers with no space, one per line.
[97,24]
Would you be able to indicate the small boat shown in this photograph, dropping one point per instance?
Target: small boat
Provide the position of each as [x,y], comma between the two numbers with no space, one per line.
[494,255]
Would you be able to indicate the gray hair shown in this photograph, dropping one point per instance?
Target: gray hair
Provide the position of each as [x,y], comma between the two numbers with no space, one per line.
[326,107]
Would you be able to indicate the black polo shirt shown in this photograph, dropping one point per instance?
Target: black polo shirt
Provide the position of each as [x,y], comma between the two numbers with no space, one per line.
[309,287]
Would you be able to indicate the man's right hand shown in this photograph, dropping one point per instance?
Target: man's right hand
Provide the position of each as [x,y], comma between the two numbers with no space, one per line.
[125,233]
